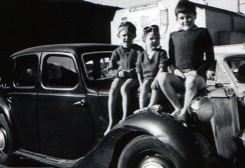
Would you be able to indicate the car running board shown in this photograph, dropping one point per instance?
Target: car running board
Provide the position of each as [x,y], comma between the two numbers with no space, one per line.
[47,159]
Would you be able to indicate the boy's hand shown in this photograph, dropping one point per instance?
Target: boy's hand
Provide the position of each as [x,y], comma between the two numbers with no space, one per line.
[155,85]
[194,73]
[131,73]
[179,73]
[122,74]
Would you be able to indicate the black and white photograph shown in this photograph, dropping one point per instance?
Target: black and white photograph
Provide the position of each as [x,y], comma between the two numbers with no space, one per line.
[122,83]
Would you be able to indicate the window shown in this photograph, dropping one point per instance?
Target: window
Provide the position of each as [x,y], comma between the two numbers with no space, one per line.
[96,65]
[237,66]
[7,74]
[26,70]
[59,71]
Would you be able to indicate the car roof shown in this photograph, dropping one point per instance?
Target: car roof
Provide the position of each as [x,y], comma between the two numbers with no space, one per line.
[75,48]
[224,51]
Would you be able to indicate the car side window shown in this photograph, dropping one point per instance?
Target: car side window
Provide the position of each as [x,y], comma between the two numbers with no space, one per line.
[59,71]
[237,66]
[221,75]
[26,70]
[96,65]
[7,74]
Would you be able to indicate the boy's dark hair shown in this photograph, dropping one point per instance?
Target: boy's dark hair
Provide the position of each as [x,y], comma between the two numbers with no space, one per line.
[185,6]
[129,25]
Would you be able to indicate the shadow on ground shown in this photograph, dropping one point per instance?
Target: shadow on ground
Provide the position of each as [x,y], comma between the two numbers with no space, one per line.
[23,162]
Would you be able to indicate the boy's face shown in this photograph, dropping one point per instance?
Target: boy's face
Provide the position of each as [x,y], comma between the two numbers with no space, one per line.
[152,40]
[186,20]
[126,38]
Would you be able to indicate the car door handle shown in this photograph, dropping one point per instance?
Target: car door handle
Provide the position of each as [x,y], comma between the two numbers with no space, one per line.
[10,100]
[81,103]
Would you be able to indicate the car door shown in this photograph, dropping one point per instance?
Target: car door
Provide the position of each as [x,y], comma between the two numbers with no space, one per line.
[98,81]
[22,100]
[65,123]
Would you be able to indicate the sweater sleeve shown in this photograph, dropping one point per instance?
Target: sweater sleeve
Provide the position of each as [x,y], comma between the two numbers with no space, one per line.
[209,53]
[163,60]
[113,67]
[138,64]
[171,54]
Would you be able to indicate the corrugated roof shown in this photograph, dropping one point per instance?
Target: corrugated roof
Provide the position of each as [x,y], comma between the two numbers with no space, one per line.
[219,10]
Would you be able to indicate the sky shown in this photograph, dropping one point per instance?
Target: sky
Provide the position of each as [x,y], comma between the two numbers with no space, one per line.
[120,3]
[225,4]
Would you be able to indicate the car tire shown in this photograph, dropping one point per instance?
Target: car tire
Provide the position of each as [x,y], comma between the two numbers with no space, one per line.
[6,148]
[147,151]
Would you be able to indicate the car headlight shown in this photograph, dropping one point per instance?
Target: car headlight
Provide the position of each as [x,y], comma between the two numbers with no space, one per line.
[201,109]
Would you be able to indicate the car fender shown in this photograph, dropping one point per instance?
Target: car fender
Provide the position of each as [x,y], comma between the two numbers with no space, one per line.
[190,145]
[178,135]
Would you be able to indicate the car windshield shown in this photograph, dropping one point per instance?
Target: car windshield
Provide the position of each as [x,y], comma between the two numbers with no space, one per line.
[237,66]
[96,65]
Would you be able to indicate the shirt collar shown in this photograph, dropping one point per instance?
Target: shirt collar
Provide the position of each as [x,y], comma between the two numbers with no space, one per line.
[194,27]
[124,50]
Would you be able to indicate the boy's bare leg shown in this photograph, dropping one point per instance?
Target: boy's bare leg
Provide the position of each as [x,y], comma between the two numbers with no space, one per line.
[144,90]
[113,98]
[125,91]
[168,82]
[193,84]
[154,97]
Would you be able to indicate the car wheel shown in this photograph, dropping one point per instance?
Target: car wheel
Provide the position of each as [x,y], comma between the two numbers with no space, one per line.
[6,149]
[149,152]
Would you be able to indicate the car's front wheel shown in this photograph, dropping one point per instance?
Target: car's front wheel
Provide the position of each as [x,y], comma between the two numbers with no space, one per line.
[149,152]
[6,149]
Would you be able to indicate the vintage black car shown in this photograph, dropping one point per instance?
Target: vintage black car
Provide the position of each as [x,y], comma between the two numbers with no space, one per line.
[53,109]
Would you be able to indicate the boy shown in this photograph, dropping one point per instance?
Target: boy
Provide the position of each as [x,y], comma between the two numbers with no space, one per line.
[122,66]
[191,55]
[150,63]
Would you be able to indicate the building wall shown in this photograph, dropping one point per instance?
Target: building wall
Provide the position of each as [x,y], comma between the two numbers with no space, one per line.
[225,28]
[239,23]
[217,21]
[231,37]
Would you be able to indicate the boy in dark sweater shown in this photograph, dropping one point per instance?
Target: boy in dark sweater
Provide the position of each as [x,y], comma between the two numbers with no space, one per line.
[191,55]
[150,63]
[122,66]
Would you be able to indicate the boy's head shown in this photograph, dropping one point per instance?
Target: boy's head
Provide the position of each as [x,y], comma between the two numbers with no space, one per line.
[185,12]
[185,6]
[126,33]
[151,36]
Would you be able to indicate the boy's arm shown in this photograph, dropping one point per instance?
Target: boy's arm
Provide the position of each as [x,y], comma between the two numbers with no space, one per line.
[140,78]
[133,72]
[163,61]
[171,55]
[159,71]
[113,67]
[209,52]
[171,60]
[139,70]
[155,84]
